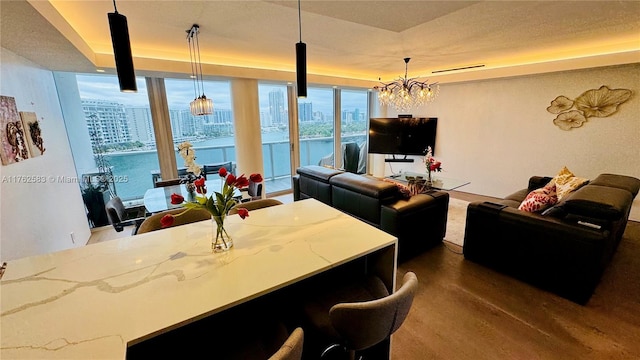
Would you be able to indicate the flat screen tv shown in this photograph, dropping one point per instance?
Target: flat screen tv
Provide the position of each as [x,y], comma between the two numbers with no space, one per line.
[402,136]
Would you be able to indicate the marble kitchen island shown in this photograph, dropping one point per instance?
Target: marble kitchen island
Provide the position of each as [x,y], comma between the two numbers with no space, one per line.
[96,301]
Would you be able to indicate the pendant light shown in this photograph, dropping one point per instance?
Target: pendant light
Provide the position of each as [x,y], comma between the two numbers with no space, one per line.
[407,93]
[200,104]
[301,61]
[122,51]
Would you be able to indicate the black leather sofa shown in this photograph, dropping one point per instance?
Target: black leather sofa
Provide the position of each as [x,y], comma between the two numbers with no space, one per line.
[564,249]
[419,222]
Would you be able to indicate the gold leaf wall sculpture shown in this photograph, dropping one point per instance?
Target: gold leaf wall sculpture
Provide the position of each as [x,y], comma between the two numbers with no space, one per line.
[600,103]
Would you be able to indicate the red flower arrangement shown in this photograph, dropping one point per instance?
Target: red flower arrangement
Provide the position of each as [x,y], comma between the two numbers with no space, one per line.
[431,163]
[218,204]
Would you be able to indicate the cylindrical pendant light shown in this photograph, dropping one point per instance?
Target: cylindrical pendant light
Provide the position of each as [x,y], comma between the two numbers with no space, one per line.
[122,51]
[301,69]
[301,61]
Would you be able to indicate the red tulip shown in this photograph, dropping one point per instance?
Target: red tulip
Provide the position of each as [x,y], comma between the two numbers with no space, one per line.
[177,199]
[241,182]
[200,186]
[243,213]
[255,178]
[222,172]
[167,220]
[231,179]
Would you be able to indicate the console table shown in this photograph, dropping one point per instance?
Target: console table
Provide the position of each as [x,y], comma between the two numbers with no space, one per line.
[438,182]
[97,300]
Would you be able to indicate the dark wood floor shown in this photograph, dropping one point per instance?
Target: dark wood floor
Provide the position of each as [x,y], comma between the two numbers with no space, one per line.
[465,311]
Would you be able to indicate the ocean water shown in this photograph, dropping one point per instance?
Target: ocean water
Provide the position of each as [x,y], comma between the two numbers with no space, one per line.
[132,170]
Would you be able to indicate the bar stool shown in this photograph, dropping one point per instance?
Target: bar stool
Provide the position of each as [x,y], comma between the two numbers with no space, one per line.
[358,316]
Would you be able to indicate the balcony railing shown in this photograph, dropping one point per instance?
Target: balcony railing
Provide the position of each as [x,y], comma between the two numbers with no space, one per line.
[277,173]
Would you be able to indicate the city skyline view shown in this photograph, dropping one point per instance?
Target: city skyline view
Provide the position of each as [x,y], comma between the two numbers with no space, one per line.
[120,125]
[180,92]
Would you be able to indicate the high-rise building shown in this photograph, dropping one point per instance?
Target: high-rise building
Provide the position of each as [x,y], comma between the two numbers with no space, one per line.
[277,108]
[106,121]
[305,111]
[140,124]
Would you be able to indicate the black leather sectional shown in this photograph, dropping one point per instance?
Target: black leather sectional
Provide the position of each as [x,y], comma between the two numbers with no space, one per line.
[564,249]
[419,222]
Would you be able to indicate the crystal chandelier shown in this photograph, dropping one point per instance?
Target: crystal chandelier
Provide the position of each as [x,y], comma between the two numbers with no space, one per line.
[405,93]
[200,104]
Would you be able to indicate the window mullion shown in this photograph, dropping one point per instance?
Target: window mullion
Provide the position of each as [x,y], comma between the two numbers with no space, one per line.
[162,127]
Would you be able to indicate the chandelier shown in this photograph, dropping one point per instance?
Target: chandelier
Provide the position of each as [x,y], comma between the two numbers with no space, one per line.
[405,93]
[200,104]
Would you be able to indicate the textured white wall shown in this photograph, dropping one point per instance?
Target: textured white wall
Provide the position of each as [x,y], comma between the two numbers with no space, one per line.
[38,218]
[498,133]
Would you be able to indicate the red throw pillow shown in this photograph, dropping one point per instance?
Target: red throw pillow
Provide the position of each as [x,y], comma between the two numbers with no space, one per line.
[540,199]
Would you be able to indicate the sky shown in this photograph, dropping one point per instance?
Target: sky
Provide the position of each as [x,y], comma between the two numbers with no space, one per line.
[180,92]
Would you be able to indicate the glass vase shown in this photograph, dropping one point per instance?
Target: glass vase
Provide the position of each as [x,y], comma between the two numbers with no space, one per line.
[191,192]
[429,182]
[220,240]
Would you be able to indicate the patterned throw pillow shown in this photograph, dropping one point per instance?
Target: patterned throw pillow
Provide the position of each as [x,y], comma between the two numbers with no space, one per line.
[540,199]
[402,188]
[566,182]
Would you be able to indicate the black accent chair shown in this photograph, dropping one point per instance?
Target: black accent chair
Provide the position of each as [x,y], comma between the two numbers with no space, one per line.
[210,169]
[119,216]
[351,157]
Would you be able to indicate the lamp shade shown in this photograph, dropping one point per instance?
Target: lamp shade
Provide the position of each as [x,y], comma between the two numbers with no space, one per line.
[301,69]
[201,106]
[122,52]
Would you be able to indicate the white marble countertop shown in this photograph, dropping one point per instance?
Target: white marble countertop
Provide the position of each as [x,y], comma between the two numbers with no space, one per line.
[90,302]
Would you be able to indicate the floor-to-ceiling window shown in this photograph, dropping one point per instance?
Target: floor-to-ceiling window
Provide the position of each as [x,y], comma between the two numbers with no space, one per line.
[121,130]
[316,127]
[212,136]
[274,128]
[121,133]
[354,117]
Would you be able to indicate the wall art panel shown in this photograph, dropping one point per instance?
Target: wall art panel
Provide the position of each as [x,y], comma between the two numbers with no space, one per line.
[14,143]
[33,133]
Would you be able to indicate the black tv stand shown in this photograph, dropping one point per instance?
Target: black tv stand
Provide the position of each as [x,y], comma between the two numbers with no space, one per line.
[393,159]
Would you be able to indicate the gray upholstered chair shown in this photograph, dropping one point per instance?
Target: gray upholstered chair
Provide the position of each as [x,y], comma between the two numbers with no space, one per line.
[119,216]
[359,315]
[255,204]
[292,348]
[152,223]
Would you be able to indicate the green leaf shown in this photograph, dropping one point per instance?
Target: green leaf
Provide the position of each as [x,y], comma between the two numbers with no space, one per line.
[211,206]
